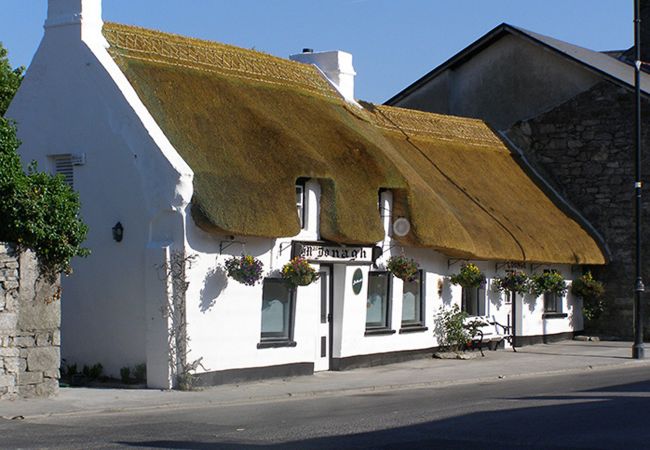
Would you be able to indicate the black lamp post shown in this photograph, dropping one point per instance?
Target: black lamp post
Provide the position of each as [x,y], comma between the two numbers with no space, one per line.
[638,350]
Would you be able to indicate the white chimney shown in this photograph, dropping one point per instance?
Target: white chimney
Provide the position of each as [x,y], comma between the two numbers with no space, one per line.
[84,14]
[335,65]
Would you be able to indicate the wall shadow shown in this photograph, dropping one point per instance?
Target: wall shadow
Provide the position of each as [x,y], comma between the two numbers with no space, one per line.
[214,283]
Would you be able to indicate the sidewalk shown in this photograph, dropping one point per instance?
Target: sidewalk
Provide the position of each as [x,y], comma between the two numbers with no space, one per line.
[536,360]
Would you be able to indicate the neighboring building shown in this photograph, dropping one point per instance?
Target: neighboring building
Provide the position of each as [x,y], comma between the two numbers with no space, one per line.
[570,112]
[187,151]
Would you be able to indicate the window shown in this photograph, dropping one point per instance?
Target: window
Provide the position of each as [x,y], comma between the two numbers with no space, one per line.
[474,301]
[412,302]
[277,312]
[552,303]
[377,312]
[300,200]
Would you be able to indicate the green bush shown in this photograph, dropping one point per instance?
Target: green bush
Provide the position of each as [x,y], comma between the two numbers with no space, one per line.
[39,211]
[92,372]
[452,333]
[70,370]
[140,373]
[125,375]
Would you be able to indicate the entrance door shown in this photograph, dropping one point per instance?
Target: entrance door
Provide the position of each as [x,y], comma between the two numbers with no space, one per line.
[324,324]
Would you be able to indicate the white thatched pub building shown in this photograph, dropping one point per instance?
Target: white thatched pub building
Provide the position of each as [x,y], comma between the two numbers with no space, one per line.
[191,151]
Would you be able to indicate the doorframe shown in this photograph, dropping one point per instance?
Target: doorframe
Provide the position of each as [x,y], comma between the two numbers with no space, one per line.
[330,315]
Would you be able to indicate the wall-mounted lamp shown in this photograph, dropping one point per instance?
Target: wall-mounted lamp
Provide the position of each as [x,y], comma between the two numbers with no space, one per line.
[118,232]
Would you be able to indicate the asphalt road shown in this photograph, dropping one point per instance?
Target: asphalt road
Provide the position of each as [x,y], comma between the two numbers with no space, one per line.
[600,409]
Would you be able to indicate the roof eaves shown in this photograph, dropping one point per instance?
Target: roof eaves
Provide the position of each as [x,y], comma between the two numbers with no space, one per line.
[533,37]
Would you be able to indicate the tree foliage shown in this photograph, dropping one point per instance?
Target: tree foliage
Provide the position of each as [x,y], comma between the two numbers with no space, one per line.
[10,80]
[37,211]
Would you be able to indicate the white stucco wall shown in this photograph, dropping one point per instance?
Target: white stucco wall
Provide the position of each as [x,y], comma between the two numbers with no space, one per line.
[75,100]
[225,317]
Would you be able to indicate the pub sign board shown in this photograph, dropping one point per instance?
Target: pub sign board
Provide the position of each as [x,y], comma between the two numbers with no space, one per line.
[320,252]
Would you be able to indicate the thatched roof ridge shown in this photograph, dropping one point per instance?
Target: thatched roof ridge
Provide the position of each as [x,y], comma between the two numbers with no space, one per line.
[173,49]
[250,124]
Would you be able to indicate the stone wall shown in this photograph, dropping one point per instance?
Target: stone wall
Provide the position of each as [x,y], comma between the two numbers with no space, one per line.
[29,328]
[585,148]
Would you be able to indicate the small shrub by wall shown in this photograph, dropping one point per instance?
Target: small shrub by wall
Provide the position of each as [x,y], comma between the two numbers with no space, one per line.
[30,318]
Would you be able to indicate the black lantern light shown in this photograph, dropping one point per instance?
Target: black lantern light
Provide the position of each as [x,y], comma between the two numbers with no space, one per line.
[118,232]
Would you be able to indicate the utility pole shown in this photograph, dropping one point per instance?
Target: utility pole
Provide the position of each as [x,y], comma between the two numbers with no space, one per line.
[638,350]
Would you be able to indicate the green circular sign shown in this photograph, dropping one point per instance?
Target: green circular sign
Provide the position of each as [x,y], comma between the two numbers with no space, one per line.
[357,281]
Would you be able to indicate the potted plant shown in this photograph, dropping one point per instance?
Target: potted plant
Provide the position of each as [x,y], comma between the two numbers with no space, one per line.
[245,269]
[513,281]
[470,276]
[299,272]
[402,267]
[549,281]
[591,291]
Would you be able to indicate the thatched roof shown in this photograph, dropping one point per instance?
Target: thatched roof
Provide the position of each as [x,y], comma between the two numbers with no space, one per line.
[250,124]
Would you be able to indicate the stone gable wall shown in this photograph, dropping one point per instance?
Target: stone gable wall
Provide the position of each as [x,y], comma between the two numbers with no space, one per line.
[585,148]
[29,328]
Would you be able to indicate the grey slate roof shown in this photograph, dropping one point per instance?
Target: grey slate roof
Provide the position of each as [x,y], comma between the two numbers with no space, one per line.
[601,63]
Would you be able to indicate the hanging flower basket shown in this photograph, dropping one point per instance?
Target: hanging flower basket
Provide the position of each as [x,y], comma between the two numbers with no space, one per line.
[514,281]
[299,272]
[591,291]
[587,288]
[245,269]
[550,281]
[470,276]
[402,267]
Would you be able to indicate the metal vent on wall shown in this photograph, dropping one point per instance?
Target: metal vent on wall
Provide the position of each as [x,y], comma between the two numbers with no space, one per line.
[64,165]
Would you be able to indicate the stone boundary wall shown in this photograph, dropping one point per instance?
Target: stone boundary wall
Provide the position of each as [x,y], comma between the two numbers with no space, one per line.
[30,318]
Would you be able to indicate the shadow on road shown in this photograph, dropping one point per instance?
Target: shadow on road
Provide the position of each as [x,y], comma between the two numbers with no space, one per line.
[610,417]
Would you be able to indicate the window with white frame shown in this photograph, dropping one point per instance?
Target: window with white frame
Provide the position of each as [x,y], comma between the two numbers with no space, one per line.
[300,200]
[378,304]
[277,311]
[413,301]
[474,301]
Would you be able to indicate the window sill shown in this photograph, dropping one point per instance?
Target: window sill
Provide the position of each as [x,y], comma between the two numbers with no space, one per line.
[554,315]
[413,329]
[379,331]
[274,344]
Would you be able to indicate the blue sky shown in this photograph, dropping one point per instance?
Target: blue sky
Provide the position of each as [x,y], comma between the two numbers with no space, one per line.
[393,42]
